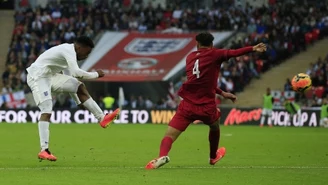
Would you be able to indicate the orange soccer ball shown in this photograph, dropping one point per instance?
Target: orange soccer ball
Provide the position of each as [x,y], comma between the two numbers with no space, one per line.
[301,82]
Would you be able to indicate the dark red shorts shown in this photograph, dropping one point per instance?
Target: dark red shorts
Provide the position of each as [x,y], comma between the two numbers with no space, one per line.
[188,113]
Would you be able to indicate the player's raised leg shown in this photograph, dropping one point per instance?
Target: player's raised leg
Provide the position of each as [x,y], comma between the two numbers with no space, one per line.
[177,125]
[86,100]
[41,90]
[80,94]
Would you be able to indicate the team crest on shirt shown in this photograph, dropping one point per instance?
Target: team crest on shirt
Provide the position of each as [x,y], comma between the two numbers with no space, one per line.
[45,93]
[137,63]
[155,46]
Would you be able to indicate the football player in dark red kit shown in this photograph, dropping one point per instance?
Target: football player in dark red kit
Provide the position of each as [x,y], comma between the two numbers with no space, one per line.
[198,94]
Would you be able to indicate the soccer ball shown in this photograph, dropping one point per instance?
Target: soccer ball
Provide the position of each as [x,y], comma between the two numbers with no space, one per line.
[301,82]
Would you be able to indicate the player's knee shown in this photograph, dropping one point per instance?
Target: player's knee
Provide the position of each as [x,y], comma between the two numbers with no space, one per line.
[82,90]
[45,117]
[75,85]
[173,133]
[215,125]
[46,109]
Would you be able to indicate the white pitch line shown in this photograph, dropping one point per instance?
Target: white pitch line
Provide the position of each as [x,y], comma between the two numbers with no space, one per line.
[173,167]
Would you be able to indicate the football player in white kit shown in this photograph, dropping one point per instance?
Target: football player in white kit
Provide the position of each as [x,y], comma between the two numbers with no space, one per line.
[45,76]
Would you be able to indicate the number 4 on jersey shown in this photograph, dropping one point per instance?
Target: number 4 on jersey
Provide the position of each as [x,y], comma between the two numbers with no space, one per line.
[195,70]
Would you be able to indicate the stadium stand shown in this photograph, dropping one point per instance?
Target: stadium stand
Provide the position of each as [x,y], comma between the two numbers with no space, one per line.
[287,28]
[318,72]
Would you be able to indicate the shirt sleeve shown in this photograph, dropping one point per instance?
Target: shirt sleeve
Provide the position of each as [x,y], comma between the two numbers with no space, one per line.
[74,68]
[226,54]
[218,91]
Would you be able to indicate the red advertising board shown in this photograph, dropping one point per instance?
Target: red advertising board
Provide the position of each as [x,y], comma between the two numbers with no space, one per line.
[142,57]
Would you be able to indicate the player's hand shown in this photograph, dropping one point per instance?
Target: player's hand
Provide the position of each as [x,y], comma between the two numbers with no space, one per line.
[100,73]
[229,96]
[260,47]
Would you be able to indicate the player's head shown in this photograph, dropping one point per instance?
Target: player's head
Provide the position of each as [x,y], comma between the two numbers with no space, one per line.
[204,40]
[325,101]
[83,47]
[268,90]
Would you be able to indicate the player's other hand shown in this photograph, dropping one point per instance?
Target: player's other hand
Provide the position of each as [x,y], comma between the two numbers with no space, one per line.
[229,96]
[100,73]
[260,47]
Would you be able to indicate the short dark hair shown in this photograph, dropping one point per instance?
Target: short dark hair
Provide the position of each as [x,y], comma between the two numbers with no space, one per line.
[205,39]
[85,41]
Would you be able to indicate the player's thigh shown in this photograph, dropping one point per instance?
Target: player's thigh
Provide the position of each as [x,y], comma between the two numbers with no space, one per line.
[46,107]
[41,88]
[180,121]
[212,117]
[64,83]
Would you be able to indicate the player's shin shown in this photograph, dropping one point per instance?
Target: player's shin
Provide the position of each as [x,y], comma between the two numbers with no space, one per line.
[262,120]
[44,134]
[269,121]
[166,146]
[43,125]
[214,139]
[93,107]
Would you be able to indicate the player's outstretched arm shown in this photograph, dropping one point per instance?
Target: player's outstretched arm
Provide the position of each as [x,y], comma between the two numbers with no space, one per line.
[261,47]
[79,73]
[74,69]
[226,95]
[242,51]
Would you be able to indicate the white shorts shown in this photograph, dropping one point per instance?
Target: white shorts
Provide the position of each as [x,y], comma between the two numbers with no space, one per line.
[266,112]
[43,86]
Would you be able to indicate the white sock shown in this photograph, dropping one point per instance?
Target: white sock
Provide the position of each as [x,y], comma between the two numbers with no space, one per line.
[44,134]
[93,107]
[262,120]
[269,120]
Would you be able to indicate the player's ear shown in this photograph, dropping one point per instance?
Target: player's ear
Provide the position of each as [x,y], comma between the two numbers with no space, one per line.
[211,46]
[197,45]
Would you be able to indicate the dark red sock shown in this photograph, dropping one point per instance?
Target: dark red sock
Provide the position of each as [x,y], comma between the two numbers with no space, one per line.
[214,139]
[166,145]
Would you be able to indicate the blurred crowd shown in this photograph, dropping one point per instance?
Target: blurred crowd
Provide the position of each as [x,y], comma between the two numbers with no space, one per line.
[285,27]
[318,71]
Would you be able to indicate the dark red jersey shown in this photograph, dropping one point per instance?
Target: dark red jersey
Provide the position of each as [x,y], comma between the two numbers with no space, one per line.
[202,68]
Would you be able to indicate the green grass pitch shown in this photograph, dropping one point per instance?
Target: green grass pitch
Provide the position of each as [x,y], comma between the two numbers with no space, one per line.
[90,155]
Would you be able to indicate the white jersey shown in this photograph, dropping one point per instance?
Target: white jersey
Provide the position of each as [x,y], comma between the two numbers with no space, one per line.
[58,59]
